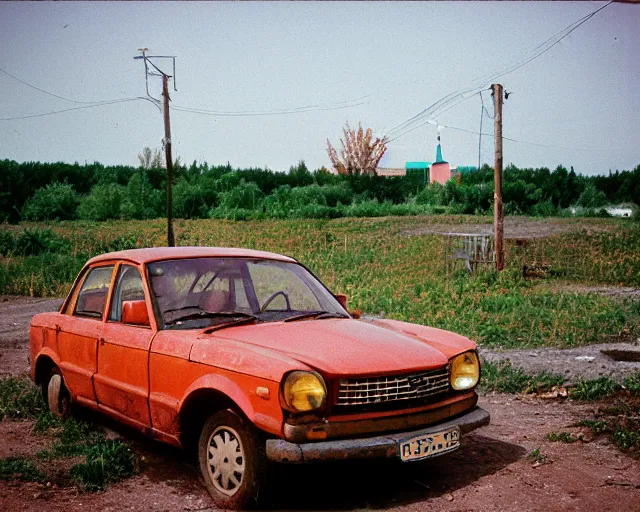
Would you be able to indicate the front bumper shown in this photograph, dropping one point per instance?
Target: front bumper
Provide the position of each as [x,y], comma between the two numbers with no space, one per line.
[383,446]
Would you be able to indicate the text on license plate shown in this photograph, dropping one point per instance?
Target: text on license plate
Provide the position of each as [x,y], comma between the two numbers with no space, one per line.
[429,445]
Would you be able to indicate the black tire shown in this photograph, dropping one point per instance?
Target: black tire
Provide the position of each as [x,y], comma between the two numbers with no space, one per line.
[56,395]
[235,469]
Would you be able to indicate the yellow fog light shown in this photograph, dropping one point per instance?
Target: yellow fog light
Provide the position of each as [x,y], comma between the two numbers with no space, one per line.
[465,371]
[303,391]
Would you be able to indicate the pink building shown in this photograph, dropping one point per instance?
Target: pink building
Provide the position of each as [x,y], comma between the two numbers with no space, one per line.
[440,171]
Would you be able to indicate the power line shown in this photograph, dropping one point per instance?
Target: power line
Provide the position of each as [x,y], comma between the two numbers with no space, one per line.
[449,127]
[246,113]
[537,52]
[258,113]
[93,105]
[57,95]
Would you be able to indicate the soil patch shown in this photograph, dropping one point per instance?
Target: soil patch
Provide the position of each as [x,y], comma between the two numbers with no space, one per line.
[517,227]
[588,362]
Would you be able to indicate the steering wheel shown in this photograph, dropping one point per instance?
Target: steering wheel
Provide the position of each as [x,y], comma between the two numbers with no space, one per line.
[270,300]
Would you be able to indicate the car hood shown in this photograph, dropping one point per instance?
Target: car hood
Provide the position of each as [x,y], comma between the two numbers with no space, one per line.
[353,347]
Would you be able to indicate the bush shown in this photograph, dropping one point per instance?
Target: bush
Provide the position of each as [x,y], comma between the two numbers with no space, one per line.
[433,195]
[591,197]
[103,202]
[7,242]
[32,242]
[190,200]
[247,196]
[56,201]
[141,200]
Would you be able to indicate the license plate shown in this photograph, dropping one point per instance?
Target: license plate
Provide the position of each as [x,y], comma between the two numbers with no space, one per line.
[429,445]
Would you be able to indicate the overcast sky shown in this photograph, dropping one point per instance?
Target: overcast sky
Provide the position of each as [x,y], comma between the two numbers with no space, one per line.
[581,97]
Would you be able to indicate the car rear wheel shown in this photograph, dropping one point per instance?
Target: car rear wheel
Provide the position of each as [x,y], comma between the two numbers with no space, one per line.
[56,395]
[232,460]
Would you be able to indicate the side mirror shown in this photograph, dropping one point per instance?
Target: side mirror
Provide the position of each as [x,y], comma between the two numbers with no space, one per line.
[135,312]
[342,299]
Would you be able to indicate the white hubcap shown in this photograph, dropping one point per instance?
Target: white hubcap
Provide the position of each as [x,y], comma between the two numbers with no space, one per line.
[53,395]
[225,460]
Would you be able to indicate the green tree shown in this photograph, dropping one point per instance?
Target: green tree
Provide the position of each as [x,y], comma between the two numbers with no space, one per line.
[57,201]
[104,202]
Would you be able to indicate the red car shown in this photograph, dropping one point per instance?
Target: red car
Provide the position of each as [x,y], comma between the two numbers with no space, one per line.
[248,357]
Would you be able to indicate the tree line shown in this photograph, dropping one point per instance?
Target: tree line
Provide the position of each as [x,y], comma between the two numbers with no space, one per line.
[48,191]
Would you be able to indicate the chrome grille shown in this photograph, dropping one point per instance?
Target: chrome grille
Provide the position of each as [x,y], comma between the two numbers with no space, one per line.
[392,389]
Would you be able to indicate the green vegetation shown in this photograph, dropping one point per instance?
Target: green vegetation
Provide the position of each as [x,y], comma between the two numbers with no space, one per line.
[19,398]
[20,468]
[537,457]
[102,460]
[504,378]
[594,389]
[107,461]
[562,437]
[385,270]
[41,191]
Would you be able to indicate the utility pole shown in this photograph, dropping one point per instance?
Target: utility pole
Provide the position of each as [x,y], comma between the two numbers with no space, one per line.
[167,149]
[167,127]
[498,217]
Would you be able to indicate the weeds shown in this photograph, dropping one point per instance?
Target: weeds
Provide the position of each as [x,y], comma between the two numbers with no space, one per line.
[505,378]
[20,468]
[563,437]
[19,398]
[537,457]
[597,427]
[105,460]
[589,390]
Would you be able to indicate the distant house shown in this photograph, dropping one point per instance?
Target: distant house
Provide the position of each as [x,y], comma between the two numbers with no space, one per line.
[439,171]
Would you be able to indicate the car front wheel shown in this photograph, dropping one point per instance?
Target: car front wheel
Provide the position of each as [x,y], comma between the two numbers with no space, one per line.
[232,460]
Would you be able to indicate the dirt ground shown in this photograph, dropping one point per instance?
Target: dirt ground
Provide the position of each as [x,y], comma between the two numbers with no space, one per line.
[490,471]
[518,227]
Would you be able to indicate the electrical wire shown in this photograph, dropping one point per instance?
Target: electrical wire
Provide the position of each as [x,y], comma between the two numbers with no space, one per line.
[101,104]
[257,113]
[57,95]
[433,109]
[449,127]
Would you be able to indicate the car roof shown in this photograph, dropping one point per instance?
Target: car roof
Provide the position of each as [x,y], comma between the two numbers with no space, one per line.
[150,254]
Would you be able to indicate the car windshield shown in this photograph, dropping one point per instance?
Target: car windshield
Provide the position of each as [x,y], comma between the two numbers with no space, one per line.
[202,292]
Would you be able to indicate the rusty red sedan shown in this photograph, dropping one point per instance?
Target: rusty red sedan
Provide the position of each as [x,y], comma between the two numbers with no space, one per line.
[246,357]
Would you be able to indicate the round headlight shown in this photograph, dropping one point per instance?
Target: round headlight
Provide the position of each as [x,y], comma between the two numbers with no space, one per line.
[465,371]
[303,391]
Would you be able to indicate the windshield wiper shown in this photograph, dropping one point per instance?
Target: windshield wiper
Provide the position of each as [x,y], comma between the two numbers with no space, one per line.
[316,315]
[217,314]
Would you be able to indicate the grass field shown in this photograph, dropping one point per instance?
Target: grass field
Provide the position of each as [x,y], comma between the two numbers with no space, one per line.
[386,271]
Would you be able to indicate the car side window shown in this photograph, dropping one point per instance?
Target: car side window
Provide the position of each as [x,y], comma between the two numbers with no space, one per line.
[92,297]
[128,288]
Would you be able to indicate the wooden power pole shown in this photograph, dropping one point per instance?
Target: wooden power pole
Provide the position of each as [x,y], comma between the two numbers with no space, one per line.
[498,214]
[167,150]
[167,126]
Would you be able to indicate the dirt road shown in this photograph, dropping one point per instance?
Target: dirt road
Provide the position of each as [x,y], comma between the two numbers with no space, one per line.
[491,470]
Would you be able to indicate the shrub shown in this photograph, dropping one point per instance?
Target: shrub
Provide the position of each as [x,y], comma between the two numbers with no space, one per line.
[103,202]
[245,195]
[433,195]
[591,197]
[141,200]
[32,242]
[7,242]
[190,200]
[56,201]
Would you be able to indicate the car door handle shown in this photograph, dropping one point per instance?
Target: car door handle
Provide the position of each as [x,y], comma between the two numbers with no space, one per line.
[101,341]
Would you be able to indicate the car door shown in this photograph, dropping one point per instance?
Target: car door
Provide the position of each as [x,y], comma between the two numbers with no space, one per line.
[79,331]
[122,378]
